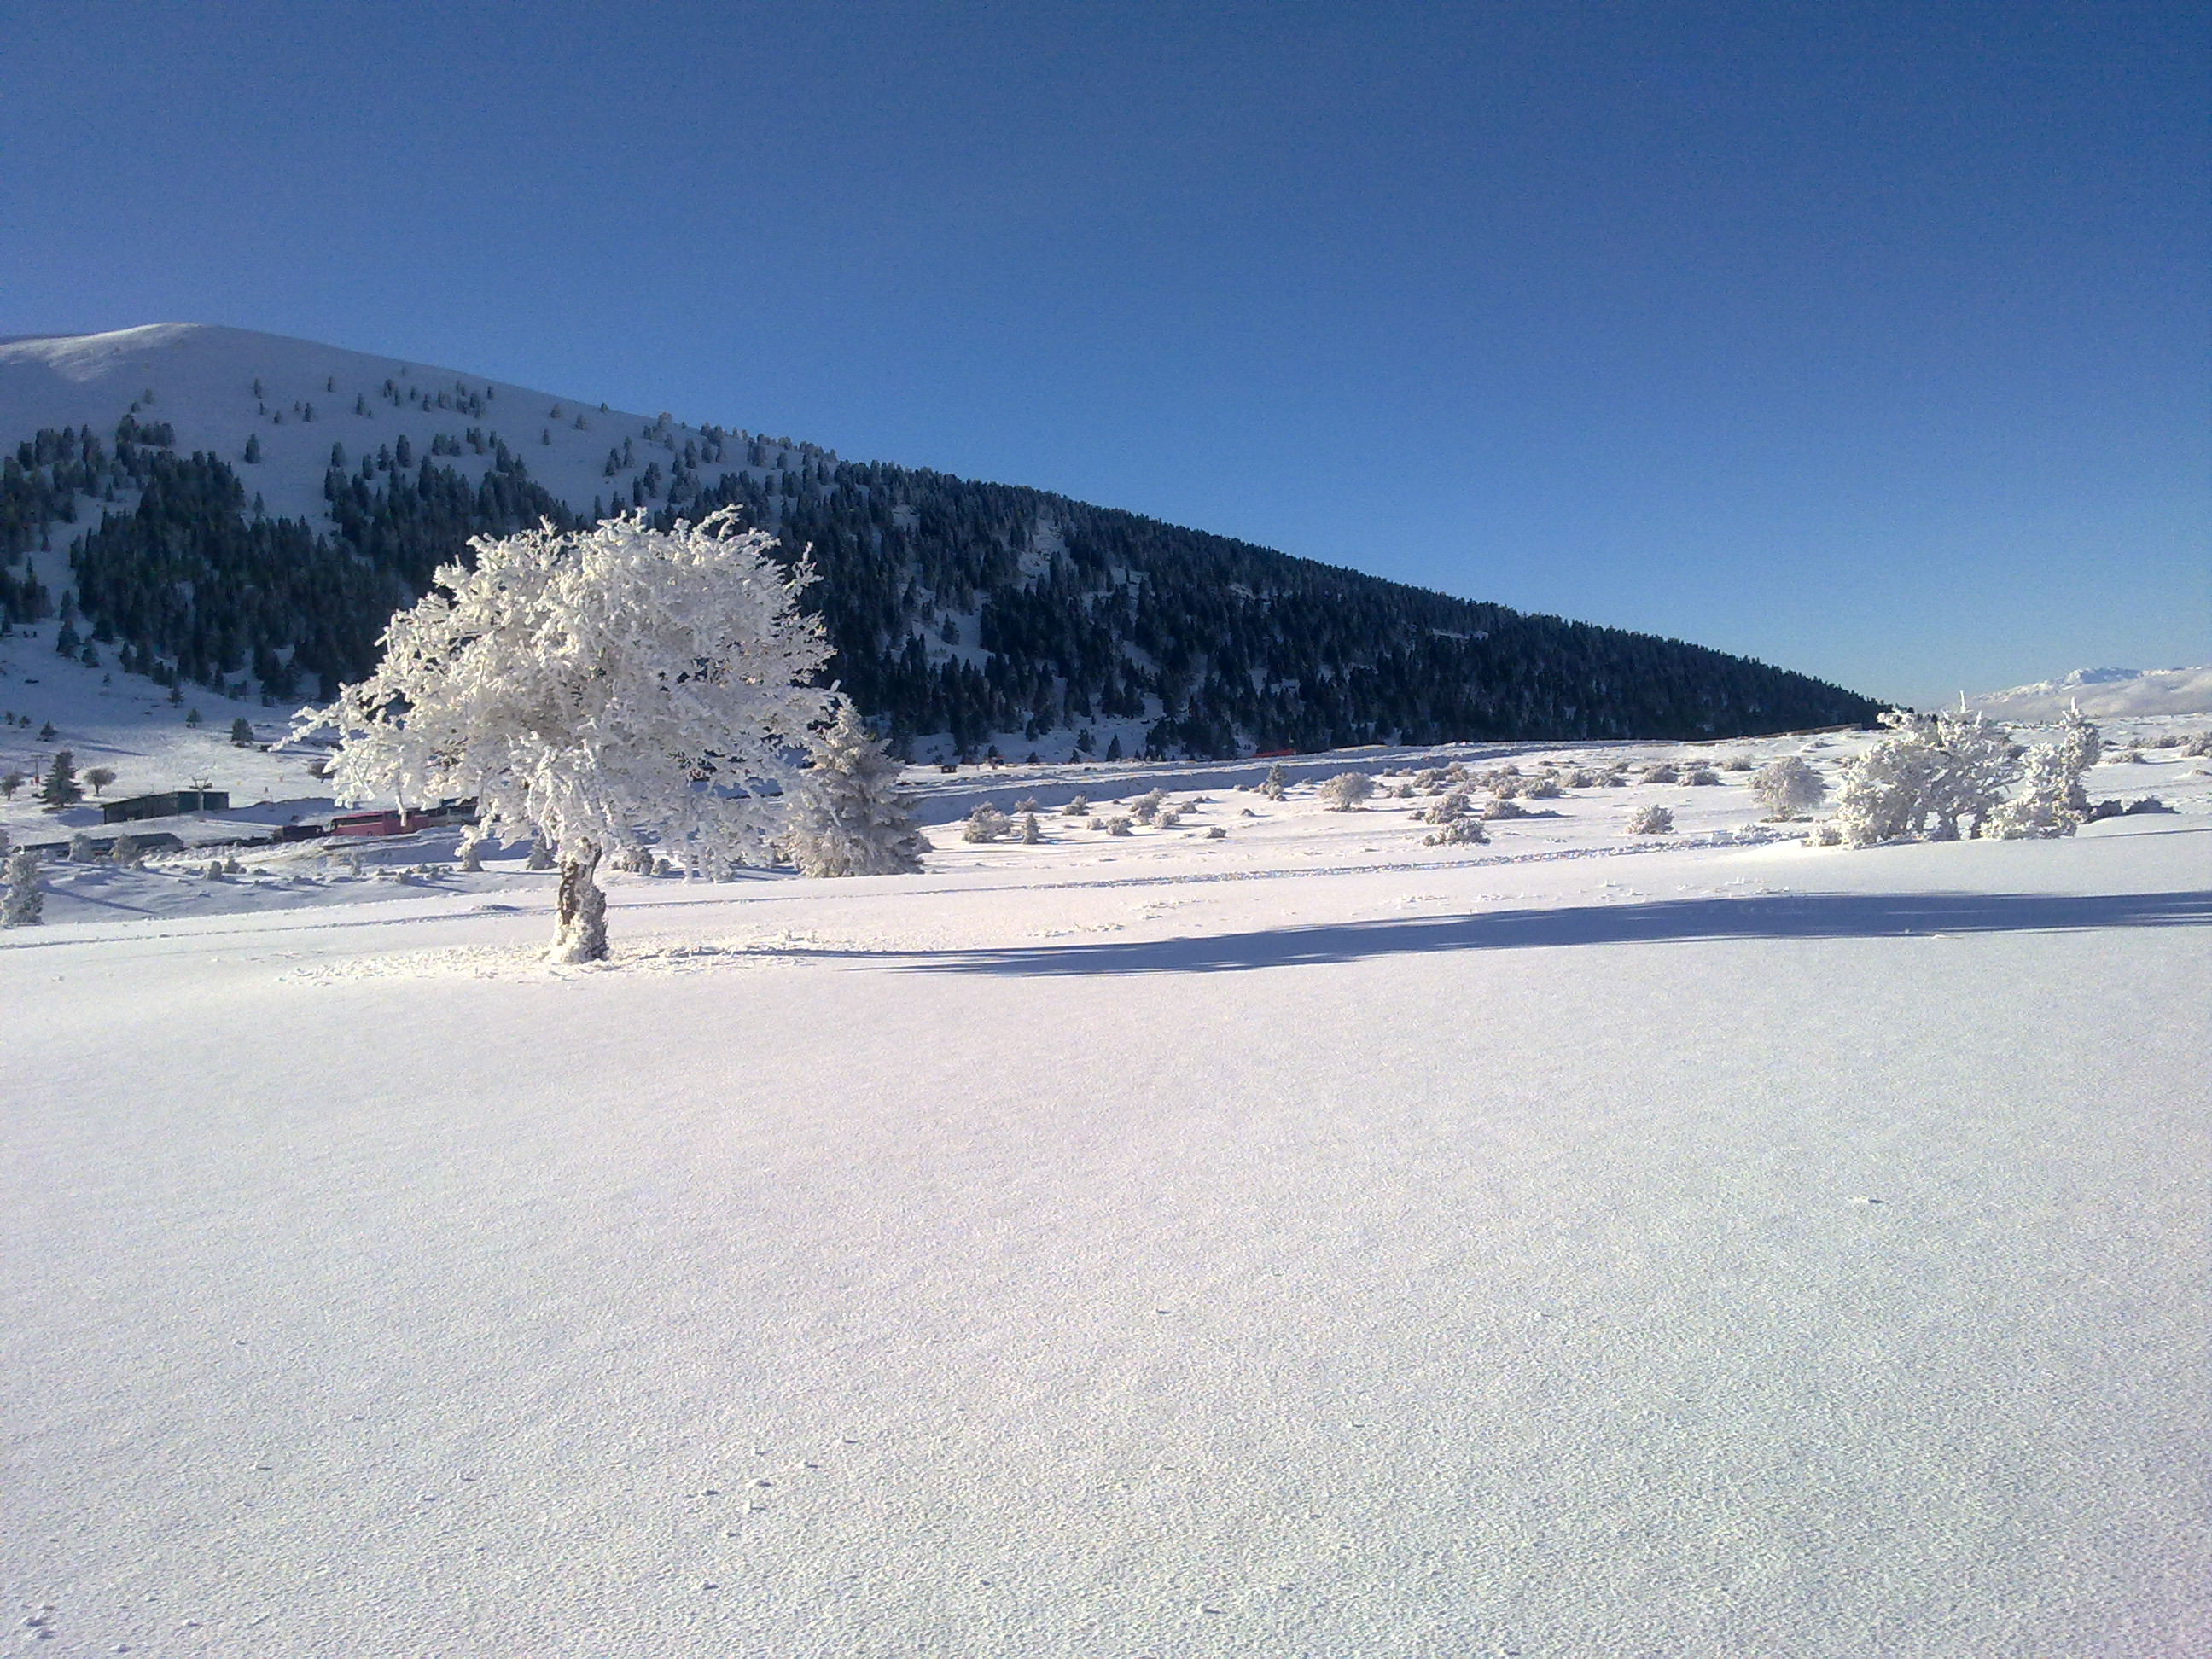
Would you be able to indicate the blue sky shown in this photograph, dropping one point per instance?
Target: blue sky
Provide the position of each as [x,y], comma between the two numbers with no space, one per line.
[1870,340]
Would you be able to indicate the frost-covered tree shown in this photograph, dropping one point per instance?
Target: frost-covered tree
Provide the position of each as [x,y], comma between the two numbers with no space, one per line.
[1651,821]
[847,816]
[1924,776]
[24,902]
[587,687]
[1032,831]
[1346,791]
[1276,782]
[99,777]
[1078,808]
[10,781]
[1788,788]
[2053,801]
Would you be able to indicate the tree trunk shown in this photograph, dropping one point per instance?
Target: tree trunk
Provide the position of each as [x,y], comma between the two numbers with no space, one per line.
[581,909]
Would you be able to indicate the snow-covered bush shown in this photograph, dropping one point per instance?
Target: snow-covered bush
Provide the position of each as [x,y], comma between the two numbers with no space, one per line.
[2195,748]
[1700,777]
[1095,823]
[124,852]
[1117,825]
[1504,807]
[1736,764]
[541,857]
[1216,833]
[1432,781]
[1448,809]
[24,903]
[1787,788]
[1544,787]
[471,854]
[1078,808]
[986,823]
[1651,821]
[83,849]
[1662,772]
[1923,777]
[585,685]
[1346,791]
[1276,782]
[2052,801]
[1146,806]
[1032,831]
[847,816]
[1457,832]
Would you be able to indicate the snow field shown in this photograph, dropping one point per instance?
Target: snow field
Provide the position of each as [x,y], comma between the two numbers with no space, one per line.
[1713,1249]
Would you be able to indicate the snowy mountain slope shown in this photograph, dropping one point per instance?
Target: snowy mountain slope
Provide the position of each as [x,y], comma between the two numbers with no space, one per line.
[2103,692]
[202,381]
[290,495]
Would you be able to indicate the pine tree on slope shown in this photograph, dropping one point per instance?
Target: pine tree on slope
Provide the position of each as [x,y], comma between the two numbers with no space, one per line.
[847,816]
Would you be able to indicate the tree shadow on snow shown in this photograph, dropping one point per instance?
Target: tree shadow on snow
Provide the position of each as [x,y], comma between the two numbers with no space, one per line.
[1791,915]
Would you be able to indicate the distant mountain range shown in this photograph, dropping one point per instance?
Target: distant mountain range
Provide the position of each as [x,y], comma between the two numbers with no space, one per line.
[245,511]
[2107,692]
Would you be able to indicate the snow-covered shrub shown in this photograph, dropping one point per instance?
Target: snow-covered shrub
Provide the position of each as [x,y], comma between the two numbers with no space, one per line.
[2195,748]
[1615,777]
[471,854]
[1736,764]
[1924,775]
[847,815]
[1216,833]
[1504,807]
[582,685]
[2130,755]
[124,852]
[1078,808]
[1027,807]
[1432,781]
[1457,832]
[1276,782]
[83,849]
[1662,772]
[1824,835]
[1346,791]
[1578,778]
[1117,825]
[24,903]
[1146,806]
[1787,788]
[1447,809]
[1032,832]
[1169,817]
[986,823]
[1095,823]
[1651,821]
[1546,787]
[1700,777]
[541,857]
[2052,801]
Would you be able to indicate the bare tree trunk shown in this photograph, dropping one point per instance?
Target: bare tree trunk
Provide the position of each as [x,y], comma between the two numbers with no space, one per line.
[581,908]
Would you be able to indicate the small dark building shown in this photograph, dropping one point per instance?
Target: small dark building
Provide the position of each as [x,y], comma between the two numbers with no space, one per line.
[164,806]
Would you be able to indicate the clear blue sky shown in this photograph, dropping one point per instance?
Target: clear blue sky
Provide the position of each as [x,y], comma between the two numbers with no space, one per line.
[1870,340]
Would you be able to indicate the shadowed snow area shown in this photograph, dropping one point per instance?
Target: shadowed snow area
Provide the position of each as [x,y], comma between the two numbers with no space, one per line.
[1876,916]
[1735,1249]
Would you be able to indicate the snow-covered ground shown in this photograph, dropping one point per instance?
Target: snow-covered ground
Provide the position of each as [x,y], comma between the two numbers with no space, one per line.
[1300,1242]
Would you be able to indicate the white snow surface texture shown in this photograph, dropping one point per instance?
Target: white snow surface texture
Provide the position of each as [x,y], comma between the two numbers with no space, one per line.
[1297,1244]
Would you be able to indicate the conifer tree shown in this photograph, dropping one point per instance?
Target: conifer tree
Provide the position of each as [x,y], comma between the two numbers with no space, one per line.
[847,816]
[61,787]
[24,903]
